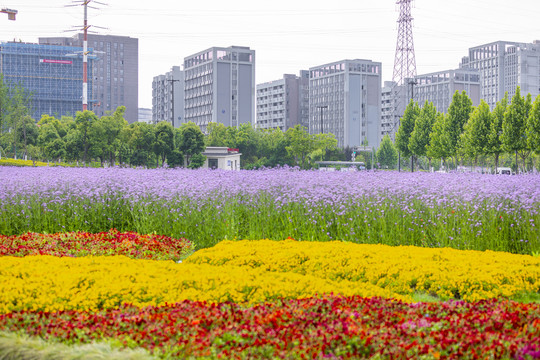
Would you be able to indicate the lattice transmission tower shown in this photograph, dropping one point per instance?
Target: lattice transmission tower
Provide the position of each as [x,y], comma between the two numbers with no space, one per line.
[404,63]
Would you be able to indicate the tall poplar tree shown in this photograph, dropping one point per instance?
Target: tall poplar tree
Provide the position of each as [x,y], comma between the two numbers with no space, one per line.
[494,143]
[476,131]
[419,141]
[406,127]
[458,114]
[513,137]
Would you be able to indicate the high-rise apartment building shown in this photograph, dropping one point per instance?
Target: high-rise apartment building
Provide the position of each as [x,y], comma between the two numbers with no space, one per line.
[220,86]
[47,72]
[115,74]
[345,100]
[168,97]
[439,87]
[393,96]
[281,104]
[503,66]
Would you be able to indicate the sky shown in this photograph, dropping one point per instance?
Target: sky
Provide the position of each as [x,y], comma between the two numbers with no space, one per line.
[287,35]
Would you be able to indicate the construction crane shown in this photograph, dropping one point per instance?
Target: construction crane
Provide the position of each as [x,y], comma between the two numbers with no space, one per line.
[11,13]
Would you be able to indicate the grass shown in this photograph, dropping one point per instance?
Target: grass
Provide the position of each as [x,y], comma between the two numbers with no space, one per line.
[218,217]
[23,347]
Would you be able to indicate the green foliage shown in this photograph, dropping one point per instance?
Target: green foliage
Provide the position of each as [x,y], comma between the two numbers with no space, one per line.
[164,142]
[301,143]
[175,159]
[458,114]
[197,161]
[406,127]
[514,136]
[191,141]
[84,121]
[387,153]
[533,127]
[494,142]
[419,140]
[476,131]
[437,147]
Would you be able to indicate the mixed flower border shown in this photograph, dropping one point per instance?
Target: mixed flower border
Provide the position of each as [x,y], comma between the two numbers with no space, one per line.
[267,299]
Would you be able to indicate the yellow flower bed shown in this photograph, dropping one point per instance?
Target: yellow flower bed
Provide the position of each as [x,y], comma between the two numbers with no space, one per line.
[447,273]
[52,283]
[21,162]
[253,271]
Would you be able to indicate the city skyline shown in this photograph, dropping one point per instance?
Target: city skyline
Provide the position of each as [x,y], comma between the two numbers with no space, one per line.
[286,37]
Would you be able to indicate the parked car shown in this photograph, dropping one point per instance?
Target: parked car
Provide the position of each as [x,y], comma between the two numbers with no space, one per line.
[504,171]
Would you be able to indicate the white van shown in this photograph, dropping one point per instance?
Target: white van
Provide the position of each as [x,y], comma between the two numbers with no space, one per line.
[504,171]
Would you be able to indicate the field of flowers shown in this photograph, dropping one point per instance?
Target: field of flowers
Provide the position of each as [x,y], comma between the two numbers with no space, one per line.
[135,264]
[462,211]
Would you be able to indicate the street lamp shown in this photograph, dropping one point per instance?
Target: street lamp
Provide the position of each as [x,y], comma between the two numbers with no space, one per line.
[321,107]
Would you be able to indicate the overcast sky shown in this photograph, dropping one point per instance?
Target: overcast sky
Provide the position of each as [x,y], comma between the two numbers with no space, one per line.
[287,35]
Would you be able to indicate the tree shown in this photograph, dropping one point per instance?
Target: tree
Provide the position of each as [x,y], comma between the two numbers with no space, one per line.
[494,143]
[191,140]
[513,135]
[533,127]
[74,145]
[18,116]
[217,135]
[423,126]
[272,148]
[109,129]
[300,144]
[458,114]
[164,142]
[437,148]
[406,127]
[5,104]
[387,154]
[175,158]
[56,150]
[197,160]
[475,134]
[27,133]
[140,137]
[85,120]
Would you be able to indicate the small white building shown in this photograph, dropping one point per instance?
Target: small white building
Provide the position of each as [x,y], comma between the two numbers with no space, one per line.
[223,158]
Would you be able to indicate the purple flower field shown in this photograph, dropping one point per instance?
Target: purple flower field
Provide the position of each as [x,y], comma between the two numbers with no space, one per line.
[426,209]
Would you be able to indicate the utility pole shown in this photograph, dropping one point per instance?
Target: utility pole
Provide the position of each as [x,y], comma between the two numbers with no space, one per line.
[85,51]
[85,58]
[321,107]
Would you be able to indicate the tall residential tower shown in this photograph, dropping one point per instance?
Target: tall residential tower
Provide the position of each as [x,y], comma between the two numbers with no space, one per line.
[220,86]
[345,100]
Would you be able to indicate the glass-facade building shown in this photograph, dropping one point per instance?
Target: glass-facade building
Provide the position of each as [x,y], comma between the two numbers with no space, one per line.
[52,75]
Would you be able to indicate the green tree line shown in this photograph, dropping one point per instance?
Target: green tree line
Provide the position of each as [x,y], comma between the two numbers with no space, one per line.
[472,135]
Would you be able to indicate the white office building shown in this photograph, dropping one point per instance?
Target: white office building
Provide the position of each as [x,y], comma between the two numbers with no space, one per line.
[168,97]
[220,86]
[440,87]
[503,66]
[394,99]
[345,100]
[284,103]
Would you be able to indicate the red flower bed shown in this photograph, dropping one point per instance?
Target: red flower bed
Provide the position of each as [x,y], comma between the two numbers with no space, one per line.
[113,242]
[324,327]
